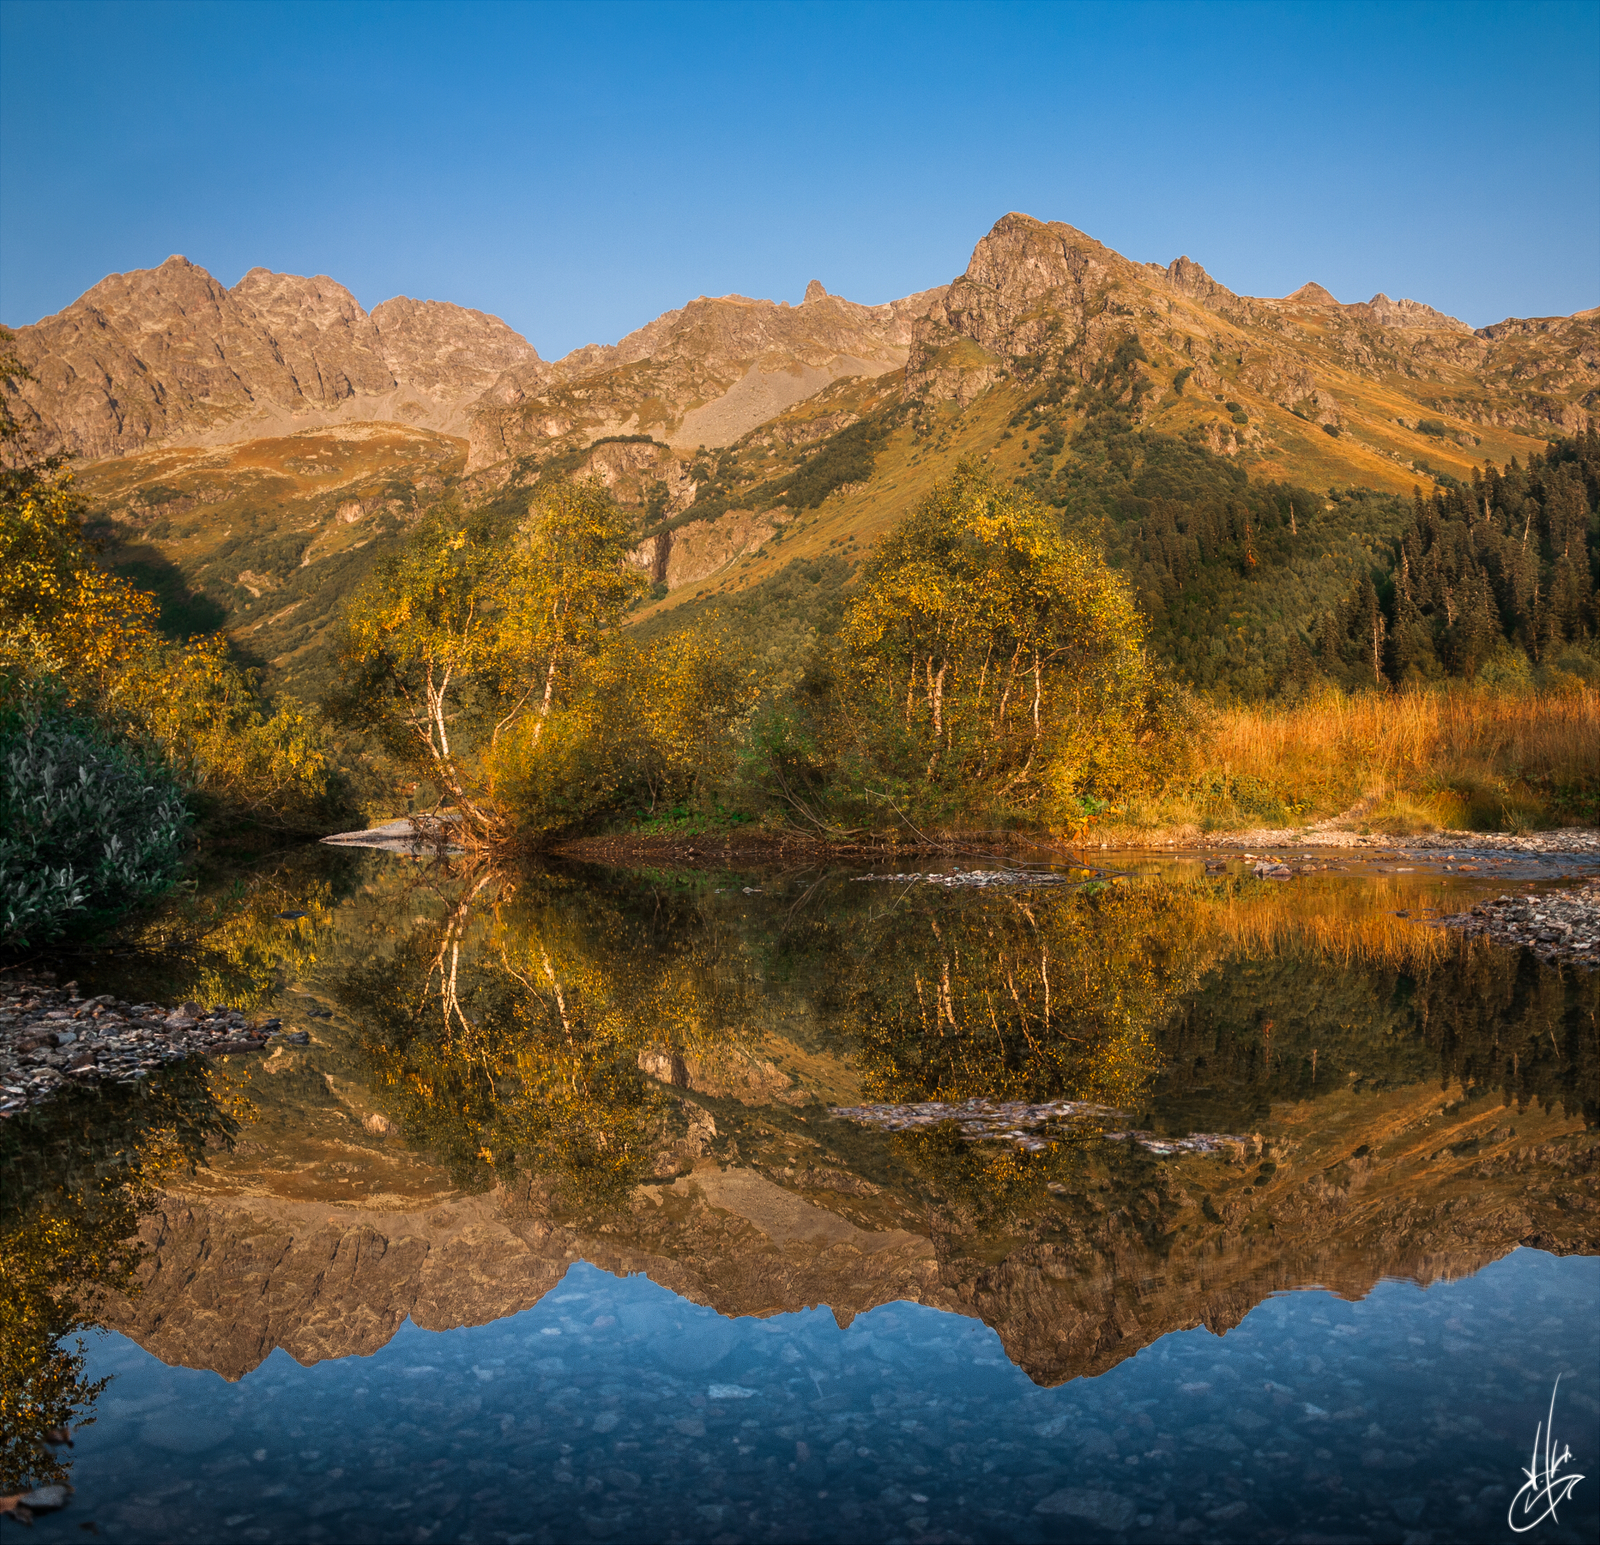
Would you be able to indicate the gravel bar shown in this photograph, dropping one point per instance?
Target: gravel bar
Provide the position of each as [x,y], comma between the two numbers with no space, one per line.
[1031,1128]
[1556,925]
[1567,840]
[50,1038]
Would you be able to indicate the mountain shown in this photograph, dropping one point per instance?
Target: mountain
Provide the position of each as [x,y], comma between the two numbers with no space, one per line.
[217,430]
[242,1261]
[168,356]
[1037,295]
[700,376]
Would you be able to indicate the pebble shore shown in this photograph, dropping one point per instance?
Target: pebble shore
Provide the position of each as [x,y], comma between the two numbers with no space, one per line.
[1025,1126]
[50,1038]
[1555,925]
[1566,840]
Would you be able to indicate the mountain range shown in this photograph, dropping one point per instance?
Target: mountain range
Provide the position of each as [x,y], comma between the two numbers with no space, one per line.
[248,451]
[168,356]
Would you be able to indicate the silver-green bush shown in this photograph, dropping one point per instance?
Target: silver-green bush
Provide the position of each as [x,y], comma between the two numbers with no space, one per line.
[87,829]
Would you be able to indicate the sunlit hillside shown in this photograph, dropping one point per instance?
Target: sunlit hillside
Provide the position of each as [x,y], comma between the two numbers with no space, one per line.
[264,540]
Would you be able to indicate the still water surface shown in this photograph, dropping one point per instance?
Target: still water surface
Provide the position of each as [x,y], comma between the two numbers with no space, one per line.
[549,1230]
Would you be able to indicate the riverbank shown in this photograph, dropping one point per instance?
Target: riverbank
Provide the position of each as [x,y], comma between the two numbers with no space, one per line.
[758,846]
[1572,840]
[51,1038]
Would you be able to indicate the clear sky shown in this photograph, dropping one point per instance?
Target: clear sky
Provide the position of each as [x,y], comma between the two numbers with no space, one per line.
[577,169]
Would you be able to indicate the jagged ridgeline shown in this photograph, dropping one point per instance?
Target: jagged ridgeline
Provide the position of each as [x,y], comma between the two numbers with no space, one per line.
[249,453]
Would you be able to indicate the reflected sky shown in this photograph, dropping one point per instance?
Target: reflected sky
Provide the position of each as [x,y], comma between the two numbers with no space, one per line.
[615,1409]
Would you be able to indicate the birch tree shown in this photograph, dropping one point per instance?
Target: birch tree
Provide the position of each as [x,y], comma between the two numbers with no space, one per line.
[989,660]
[469,638]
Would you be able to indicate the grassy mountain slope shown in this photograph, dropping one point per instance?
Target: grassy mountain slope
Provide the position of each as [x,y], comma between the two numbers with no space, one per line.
[265,540]
[1247,462]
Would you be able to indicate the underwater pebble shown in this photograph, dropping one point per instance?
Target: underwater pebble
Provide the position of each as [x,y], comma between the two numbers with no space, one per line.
[50,1038]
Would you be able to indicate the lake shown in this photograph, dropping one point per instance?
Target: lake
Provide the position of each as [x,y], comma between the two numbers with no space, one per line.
[959,1199]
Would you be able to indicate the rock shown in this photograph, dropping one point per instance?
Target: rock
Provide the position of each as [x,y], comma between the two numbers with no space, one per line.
[662,1062]
[1561,925]
[1104,1509]
[106,1047]
[45,1499]
[701,1343]
[1216,1437]
[379,1124]
[169,356]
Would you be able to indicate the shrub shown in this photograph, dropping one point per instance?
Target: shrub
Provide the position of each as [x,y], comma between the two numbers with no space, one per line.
[1431,426]
[1331,429]
[986,667]
[86,830]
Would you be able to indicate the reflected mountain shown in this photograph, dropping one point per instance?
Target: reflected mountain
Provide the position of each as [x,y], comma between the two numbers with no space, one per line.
[640,1071]
[75,1178]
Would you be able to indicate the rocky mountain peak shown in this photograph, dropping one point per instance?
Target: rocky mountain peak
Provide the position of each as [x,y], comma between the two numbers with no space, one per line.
[1406,313]
[1312,295]
[434,344]
[1188,278]
[1029,285]
[169,355]
[703,374]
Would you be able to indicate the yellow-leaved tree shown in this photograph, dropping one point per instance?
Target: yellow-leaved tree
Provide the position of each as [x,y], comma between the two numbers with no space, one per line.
[80,641]
[989,665]
[461,650]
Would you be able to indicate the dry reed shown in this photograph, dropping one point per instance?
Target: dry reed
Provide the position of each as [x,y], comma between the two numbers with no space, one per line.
[1401,736]
[1457,757]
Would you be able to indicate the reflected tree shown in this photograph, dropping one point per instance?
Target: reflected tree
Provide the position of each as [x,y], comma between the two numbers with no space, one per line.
[76,1175]
[508,1035]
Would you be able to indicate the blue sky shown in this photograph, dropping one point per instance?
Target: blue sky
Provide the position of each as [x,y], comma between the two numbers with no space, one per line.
[579,169]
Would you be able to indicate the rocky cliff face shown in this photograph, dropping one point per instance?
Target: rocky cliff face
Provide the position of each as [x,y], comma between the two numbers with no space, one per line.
[702,375]
[1040,297]
[169,356]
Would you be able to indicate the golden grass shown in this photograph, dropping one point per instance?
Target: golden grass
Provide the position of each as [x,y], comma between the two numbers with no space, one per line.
[1456,757]
[1347,924]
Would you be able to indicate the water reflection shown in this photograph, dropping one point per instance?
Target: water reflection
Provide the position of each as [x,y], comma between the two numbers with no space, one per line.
[618,1410]
[74,1179]
[512,1072]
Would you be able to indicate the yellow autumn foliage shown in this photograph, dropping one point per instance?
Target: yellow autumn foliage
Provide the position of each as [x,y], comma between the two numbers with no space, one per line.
[77,639]
[473,641]
[989,664]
